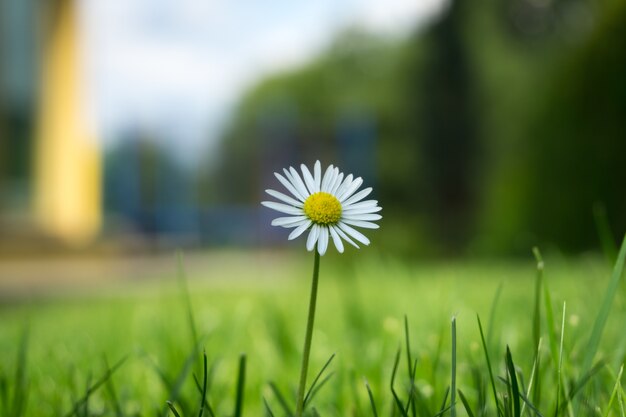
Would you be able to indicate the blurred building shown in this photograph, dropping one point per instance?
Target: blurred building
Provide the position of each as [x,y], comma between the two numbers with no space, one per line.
[51,163]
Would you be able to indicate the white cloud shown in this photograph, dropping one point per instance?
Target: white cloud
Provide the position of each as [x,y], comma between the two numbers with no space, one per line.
[397,15]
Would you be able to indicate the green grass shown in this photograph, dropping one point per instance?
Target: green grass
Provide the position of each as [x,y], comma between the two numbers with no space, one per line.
[256,304]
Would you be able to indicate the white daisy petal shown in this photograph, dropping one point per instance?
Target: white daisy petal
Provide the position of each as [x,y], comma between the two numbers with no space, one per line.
[345,184]
[298,183]
[362,210]
[358,196]
[350,189]
[354,233]
[299,230]
[317,173]
[329,176]
[337,178]
[308,179]
[322,242]
[283,208]
[288,221]
[312,238]
[284,198]
[301,190]
[288,185]
[359,223]
[362,204]
[336,239]
[344,236]
[365,216]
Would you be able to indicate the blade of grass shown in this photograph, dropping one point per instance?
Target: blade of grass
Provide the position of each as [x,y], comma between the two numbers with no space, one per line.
[85,408]
[172,408]
[520,381]
[552,337]
[530,405]
[70,383]
[410,403]
[371,396]
[437,358]
[407,342]
[397,401]
[621,399]
[442,412]
[605,308]
[445,399]
[524,398]
[174,387]
[602,317]
[241,381]
[468,409]
[281,399]
[319,386]
[614,392]
[556,344]
[112,392]
[612,375]
[480,388]
[491,379]
[559,380]
[204,384]
[410,367]
[268,410]
[453,366]
[317,377]
[93,388]
[515,392]
[537,324]
[492,313]
[210,374]
[533,373]
[207,404]
[619,352]
[580,384]
[417,402]
[507,405]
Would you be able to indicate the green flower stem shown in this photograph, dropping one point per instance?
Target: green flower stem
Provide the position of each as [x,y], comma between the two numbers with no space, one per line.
[308,337]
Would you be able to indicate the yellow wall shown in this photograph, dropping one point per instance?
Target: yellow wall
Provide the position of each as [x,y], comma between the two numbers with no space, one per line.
[67,155]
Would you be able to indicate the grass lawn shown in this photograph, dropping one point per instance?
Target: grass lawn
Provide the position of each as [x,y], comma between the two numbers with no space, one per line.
[256,303]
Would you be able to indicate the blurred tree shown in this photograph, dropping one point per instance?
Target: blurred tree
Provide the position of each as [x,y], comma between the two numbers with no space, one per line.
[521,52]
[578,140]
[445,130]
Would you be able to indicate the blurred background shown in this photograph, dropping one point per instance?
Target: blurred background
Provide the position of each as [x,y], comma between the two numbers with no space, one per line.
[485,127]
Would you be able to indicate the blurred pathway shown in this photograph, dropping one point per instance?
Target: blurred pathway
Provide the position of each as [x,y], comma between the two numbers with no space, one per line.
[27,278]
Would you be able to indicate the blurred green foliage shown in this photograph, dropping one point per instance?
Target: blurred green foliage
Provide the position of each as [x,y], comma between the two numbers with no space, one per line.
[497,127]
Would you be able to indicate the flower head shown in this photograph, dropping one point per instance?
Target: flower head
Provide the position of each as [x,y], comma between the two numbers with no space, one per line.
[328,206]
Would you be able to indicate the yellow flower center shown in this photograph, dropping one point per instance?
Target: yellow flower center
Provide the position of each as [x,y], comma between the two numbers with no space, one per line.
[323,208]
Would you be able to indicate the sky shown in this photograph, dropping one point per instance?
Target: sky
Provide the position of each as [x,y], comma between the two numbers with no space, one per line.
[178,67]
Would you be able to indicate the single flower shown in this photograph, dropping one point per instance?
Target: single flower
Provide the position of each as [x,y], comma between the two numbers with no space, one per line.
[327,206]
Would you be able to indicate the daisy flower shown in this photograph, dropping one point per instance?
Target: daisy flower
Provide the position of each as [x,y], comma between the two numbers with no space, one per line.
[328,206]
